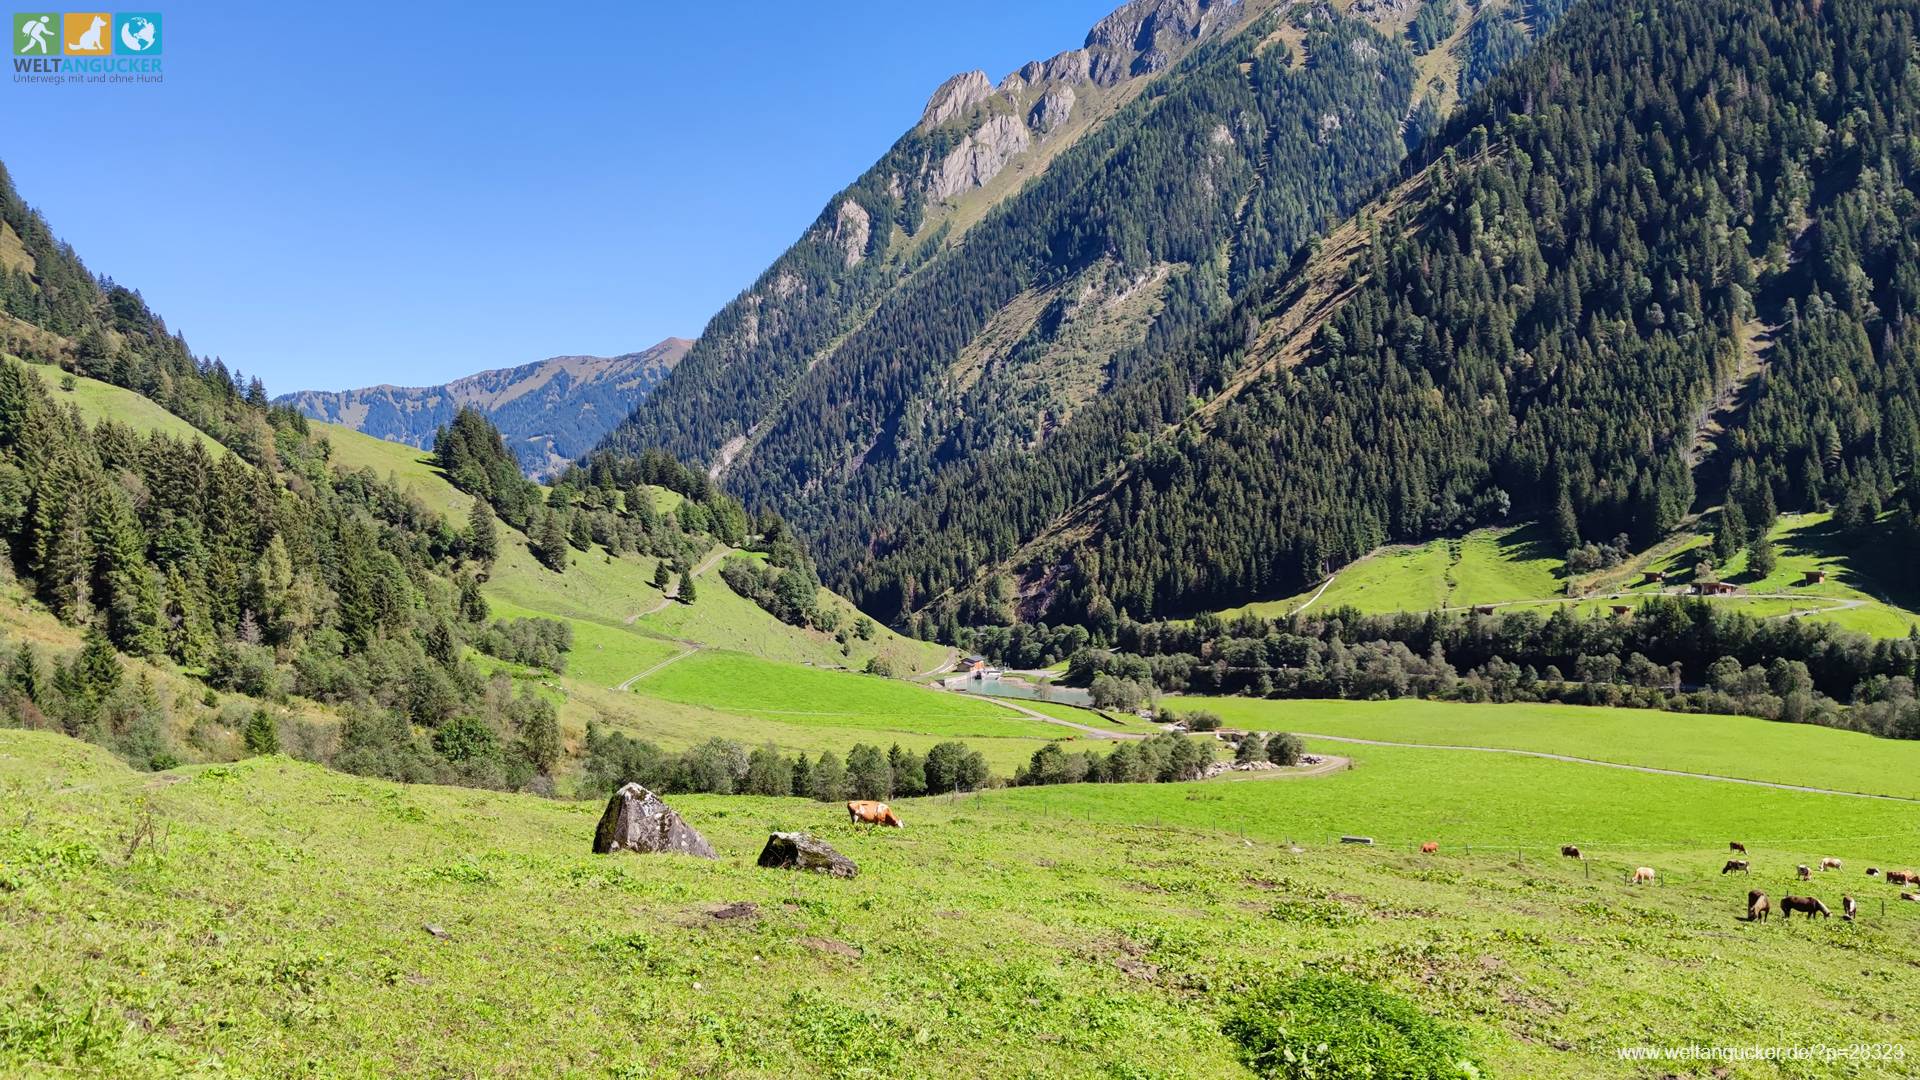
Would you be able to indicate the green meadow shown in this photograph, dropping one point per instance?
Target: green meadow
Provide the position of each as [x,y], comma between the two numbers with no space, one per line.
[811,697]
[269,917]
[1737,746]
[1485,567]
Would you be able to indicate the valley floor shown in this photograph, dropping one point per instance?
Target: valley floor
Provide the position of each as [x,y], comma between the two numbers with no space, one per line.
[270,917]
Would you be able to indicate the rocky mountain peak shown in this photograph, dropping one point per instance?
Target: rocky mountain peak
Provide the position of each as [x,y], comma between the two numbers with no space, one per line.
[1139,38]
[955,97]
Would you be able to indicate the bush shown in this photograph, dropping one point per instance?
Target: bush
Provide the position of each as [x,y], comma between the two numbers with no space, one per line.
[1332,1027]
[1202,721]
[1284,748]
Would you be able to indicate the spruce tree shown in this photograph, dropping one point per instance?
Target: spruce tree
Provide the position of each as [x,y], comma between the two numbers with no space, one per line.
[686,591]
[483,534]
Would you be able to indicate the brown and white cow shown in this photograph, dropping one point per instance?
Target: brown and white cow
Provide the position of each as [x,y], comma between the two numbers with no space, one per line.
[1735,864]
[866,811]
[1569,851]
[1848,909]
[1805,873]
[1757,906]
[1902,877]
[1829,864]
[1735,845]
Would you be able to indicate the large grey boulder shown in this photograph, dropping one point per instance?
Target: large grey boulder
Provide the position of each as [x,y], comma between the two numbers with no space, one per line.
[798,851]
[636,820]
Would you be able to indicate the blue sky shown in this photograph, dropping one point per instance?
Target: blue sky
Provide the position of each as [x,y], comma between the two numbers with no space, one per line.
[341,195]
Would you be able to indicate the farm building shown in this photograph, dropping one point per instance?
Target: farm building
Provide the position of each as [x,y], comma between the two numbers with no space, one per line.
[1483,609]
[1813,577]
[1622,609]
[1714,588]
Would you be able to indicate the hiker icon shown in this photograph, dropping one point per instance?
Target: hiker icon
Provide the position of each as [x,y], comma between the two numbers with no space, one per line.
[35,32]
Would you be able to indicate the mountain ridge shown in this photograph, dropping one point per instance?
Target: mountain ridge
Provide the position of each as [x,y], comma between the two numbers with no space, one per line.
[551,410]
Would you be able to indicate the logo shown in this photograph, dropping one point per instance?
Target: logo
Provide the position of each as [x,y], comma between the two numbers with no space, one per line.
[87,33]
[36,33]
[136,33]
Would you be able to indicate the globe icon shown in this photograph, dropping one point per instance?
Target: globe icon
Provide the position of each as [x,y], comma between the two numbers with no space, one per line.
[138,34]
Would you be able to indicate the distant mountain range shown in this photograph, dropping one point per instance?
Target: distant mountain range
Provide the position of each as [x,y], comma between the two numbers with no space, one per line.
[551,411]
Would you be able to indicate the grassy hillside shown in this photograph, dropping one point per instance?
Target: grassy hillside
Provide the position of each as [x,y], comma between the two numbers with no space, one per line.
[1865,588]
[99,401]
[365,928]
[1484,567]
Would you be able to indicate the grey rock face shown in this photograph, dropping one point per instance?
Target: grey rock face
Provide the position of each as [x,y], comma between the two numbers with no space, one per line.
[954,97]
[798,851]
[637,820]
[1136,38]
[979,157]
[852,227]
[1053,109]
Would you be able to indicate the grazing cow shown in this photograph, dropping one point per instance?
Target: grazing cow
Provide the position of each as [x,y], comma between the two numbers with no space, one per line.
[1805,872]
[1757,906]
[1829,864]
[1910,896]
[1429,848]
[1569,851]
[872,813]
[1642,876]
[1735,864]
[1848,908]
[1873,871]
[1808,904]
[1735,845]
[1902,877]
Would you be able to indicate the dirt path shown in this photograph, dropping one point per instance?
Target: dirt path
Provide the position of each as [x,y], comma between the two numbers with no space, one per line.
[675,658]
[673,590]
[1830,603]
[1315,596]
[1610,765]
[952,655]
[1098,733]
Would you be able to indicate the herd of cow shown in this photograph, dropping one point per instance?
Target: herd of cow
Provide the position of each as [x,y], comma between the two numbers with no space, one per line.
[1758,905]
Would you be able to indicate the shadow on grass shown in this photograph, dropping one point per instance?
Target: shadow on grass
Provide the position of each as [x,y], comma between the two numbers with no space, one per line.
[1871,560]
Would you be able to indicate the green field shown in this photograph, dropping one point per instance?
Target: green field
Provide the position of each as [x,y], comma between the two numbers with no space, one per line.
[810,697]
[272,918]
[1738,746]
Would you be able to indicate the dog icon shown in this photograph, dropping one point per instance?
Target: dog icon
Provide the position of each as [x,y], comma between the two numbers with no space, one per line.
[90,41]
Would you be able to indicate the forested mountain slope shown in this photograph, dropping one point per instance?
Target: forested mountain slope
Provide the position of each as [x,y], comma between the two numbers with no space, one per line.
[888,347]
[551,412]
[1539,321]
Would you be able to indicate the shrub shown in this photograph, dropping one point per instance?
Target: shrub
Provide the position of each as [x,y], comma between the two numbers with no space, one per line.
[1332,1027]
[1284,748]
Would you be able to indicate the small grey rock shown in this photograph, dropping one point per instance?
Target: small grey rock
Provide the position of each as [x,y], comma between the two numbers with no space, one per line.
[798,851]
